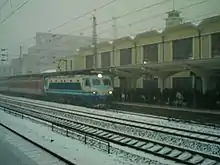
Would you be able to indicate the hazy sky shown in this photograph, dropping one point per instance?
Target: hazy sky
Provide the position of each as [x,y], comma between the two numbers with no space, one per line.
[42,15]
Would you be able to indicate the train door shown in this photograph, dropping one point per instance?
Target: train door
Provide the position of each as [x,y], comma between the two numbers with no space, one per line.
[87,84]
[45,84]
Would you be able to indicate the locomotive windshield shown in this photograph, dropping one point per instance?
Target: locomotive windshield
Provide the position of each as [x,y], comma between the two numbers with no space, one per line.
[96,82]
[106,82]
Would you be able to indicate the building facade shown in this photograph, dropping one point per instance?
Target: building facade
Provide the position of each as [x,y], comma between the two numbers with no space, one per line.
[49,47]
[175,43]
[5,70]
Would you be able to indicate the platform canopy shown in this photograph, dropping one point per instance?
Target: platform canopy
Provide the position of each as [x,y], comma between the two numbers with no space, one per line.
[210,65]
[63,73]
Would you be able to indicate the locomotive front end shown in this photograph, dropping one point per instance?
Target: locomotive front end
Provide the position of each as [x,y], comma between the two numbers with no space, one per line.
[102,90]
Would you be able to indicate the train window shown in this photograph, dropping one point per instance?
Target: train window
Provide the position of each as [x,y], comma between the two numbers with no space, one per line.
[87,83]
[69,86]
[106,82]
[96,82]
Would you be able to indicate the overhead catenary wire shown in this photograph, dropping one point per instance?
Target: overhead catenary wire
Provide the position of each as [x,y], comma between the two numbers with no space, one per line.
[83,15]
[108,20]
[204,16]
[3,4]
[157,15]
[161,14]
[14,11]
[75,18]
[1,7]
[117,17]
[123,15]
[134,11]
[140,20]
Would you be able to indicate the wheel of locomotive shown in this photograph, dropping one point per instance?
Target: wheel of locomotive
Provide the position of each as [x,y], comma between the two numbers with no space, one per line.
[61,100]
[69,100]
[80,102]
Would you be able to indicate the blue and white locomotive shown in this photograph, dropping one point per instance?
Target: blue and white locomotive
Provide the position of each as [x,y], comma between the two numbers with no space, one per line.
[85,90]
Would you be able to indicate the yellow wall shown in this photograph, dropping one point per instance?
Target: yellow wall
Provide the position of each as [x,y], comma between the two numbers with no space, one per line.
[147,39]
[210,26]
[79,63]
[196,47]
[205,46]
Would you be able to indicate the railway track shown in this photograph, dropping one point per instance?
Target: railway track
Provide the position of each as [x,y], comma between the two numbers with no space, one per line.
[159,148]
[35,151]
[137,117]
[213,137]
[119,115]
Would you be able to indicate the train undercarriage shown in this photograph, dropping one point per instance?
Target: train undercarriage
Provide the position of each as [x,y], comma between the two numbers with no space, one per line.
[66,99]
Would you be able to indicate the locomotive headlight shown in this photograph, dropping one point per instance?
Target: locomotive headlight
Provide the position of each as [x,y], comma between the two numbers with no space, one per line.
[94,93]
[110,92]
[99,75]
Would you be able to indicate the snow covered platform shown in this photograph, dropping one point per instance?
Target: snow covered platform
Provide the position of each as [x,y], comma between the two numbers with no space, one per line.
[23,151]
[74,150]
[200,115]
[10,154]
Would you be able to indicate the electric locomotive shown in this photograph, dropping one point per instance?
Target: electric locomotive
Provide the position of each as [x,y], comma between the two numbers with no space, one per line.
[85,90]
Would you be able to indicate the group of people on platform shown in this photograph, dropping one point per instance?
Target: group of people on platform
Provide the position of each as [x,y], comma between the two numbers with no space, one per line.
[172,97]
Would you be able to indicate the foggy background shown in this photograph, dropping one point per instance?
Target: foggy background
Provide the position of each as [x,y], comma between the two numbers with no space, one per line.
[44,15]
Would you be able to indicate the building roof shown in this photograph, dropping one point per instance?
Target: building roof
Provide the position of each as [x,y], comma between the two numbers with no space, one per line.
[188,25]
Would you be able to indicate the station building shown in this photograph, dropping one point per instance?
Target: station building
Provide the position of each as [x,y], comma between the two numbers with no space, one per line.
[180,56]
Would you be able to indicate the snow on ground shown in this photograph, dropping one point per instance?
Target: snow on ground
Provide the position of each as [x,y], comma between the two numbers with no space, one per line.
[12,154]
[153,135]
[26,152]
[73,149]
[204,111]
[134,117]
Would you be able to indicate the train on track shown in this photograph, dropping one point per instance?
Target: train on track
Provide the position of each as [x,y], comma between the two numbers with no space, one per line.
[89,90]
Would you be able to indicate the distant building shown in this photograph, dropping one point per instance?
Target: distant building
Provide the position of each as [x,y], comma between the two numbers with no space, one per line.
[5,70]
[49,47]
[17,65]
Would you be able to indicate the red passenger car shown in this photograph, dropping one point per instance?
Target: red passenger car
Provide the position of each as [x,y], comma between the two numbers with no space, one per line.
[26,85]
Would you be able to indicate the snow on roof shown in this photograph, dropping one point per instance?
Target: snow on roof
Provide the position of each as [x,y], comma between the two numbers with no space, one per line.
[49,71]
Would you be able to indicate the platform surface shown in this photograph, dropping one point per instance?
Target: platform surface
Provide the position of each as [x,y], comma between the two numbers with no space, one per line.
[206,111]
[11,155]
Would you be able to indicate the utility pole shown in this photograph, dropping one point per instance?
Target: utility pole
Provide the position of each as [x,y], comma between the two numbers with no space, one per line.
[20,59]
[114,26]
[66,67]
[94,42]
[10,4]
[173,5]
